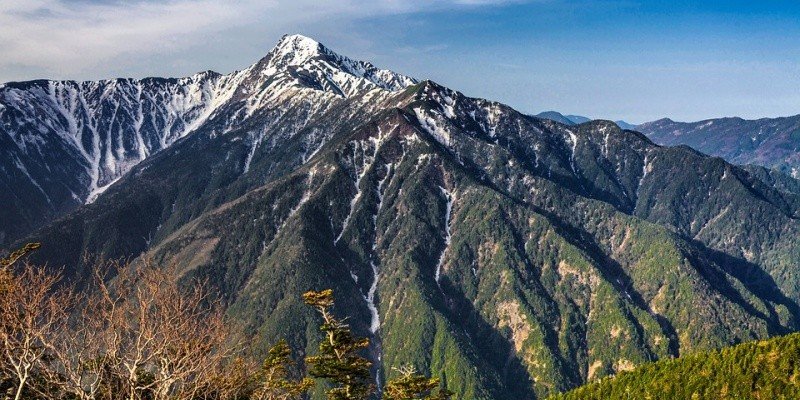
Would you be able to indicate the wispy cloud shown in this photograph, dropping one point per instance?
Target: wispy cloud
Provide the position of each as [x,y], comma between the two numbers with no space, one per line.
[509,65]
[422,49]
[75,36]
[81,37]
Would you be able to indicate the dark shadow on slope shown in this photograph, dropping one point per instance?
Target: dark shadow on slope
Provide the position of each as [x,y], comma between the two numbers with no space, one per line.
[612,272]
[491,344]
[758,282]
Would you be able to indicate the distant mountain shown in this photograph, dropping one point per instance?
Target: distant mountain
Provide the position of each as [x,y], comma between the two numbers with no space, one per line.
[558,117]
[755,370]
[769,142]
[577,119]
[624,125]
[510,256]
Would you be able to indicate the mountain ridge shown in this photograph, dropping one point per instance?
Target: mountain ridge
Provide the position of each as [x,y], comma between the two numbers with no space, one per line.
[97,130]
[578,119]
[768,142]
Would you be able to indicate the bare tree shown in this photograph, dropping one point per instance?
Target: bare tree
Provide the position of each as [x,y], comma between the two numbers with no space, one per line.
[231,380]
[80,363]
[32,312]
[141,335]
[8,261]
[192,334]
[159,338]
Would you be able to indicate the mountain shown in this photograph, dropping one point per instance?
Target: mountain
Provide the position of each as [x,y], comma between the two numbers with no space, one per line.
[769,142]
[511,256]
[558,117]
[624,125]
[64,142]
[754,370]
[577,119]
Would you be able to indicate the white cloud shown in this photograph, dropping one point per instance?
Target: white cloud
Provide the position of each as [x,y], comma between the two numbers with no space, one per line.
[75,36]
[82,38]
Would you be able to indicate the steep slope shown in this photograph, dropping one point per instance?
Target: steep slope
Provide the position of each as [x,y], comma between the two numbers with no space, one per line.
[513,257]
[756,370]
[769,142]
[63,142]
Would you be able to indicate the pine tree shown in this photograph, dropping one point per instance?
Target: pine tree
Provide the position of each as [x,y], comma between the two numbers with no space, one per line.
[338,360]
[274,377]
[413,386]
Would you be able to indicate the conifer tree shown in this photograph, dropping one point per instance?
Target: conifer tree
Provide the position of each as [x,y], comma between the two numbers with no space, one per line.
[412,386]
[338,359]
[274,377]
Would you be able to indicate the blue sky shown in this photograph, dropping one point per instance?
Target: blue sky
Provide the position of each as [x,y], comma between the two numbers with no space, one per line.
[632,60]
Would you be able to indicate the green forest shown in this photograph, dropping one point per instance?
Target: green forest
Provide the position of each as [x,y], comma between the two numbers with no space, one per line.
[764,369]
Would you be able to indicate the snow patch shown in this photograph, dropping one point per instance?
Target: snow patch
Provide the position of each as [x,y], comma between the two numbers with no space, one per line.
[24,170]
[369,151]
[306,195]
[449,197]
[255,142]
[574,140]
[375,319]
[94,194]
[430,125]
[646,168]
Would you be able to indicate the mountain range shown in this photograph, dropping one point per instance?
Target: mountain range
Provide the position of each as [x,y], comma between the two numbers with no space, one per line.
[65,142]
[769,142]
[577,119]
[512,256]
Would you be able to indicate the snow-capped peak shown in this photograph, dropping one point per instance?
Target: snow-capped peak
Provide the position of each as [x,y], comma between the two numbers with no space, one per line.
[295,50]
[307,62]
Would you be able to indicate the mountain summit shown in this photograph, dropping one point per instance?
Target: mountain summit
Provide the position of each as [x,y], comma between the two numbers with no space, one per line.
[303,57]
[510,256]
